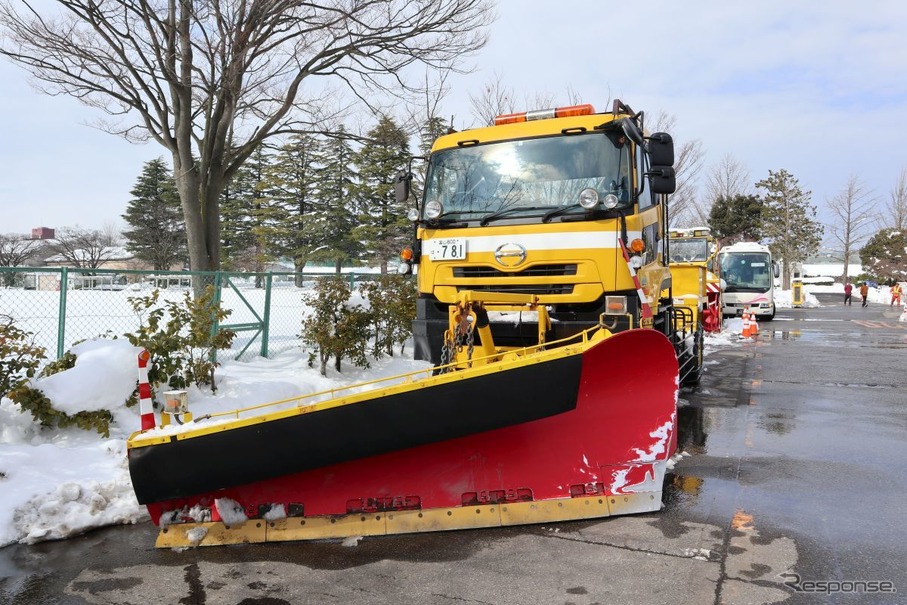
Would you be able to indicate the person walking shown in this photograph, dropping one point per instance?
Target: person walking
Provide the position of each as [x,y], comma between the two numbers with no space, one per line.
[848,290]
[864,292]
[896,294]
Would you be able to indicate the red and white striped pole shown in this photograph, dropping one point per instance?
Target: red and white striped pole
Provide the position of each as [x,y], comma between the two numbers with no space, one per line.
[146,405]
[644,309]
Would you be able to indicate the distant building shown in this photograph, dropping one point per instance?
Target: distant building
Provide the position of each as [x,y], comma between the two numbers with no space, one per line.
[42,233]
[115,257]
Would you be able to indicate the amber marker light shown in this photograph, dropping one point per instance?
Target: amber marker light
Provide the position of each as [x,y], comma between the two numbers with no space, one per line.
[545,114]
[638,246]
[615,305]
[406,254]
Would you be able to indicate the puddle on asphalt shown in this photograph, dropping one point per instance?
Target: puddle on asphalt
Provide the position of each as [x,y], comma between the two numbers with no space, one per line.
[806,336]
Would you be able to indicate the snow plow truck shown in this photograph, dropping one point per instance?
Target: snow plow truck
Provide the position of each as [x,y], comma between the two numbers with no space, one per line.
[545,308]
[696,273]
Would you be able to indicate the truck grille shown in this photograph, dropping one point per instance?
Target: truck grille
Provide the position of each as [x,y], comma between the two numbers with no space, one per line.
[475,272]
[523,288]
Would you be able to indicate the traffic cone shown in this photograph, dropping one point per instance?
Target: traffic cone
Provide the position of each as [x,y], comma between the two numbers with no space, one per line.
[754,326]
[746,324]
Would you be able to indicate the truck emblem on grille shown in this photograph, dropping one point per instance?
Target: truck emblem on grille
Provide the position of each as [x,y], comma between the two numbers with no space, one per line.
[510,255]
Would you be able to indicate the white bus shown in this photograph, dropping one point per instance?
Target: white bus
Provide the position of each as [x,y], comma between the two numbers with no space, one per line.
[748,273]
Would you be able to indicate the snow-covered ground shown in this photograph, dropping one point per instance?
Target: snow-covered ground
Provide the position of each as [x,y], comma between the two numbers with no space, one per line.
[56,484]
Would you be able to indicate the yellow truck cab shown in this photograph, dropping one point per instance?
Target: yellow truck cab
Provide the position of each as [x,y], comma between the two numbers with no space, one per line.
[565,207]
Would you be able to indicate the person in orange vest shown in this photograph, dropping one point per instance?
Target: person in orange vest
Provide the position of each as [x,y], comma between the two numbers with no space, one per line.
[896,294]
[864,292]
[848,289]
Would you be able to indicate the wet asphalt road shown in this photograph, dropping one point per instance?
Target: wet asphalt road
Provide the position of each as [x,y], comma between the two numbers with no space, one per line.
[797,447]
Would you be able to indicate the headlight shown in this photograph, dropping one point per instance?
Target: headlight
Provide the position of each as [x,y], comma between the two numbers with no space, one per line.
[413,214]
[610,201]
[433,209]
[588,198]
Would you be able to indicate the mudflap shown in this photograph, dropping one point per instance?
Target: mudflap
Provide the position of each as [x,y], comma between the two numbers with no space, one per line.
[607,456]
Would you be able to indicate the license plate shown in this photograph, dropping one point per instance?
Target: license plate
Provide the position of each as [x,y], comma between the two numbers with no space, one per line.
[447,249]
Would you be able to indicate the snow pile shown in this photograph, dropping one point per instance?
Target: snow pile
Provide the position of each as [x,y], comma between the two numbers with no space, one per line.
[61,483]
[75,390]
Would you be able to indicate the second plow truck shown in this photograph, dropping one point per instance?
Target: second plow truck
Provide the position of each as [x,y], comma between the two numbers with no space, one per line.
[697,274]
[545,309]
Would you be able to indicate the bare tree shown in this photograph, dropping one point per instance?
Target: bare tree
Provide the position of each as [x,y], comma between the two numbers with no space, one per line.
[495,99]
[687,165]
[211,80]
[853,207]
[16,249]
[87,248]
[896,208]
[727,179]
[426,107]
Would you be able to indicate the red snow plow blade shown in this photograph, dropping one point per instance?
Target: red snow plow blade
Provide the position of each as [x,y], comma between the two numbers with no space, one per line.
[598,445]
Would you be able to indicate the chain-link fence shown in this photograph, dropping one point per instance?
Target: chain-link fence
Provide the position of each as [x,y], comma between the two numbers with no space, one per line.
[62,306]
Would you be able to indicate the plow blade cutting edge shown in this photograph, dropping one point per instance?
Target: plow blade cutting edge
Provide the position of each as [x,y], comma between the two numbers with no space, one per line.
[602,452]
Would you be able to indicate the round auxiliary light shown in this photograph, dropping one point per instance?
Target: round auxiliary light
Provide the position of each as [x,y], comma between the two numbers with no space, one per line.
[588,198]
[610,201]
[433,209]
[413,214]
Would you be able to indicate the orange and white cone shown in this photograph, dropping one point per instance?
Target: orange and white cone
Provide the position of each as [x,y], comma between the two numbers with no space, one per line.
[747,329]
[754,325]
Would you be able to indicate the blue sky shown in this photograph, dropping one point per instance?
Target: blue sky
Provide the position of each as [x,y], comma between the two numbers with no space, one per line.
[819,89]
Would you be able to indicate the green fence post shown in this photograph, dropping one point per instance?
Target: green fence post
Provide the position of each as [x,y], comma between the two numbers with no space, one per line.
[215,325]
[61,323]
[266,316]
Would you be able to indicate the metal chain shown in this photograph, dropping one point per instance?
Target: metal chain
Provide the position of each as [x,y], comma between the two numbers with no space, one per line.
[464,335]
[446,352]
[470,341]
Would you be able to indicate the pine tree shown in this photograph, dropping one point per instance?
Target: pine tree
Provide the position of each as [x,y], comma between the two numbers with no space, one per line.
[430,131]
[383,226]
[884,257]
[243,215]
[332,222]
[290,183]
[736,219]
[236,228]
[157,234]
[788,220]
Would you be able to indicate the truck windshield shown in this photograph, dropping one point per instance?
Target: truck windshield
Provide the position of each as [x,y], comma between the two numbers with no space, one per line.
[689,250]
[526,177]
[746,271]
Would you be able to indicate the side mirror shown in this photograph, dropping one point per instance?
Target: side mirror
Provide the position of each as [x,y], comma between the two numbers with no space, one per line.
[661,149]
[402,184]
[662,179]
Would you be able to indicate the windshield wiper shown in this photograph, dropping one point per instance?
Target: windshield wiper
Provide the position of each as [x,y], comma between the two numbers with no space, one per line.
[452,219]
[505,211]
[553,213]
